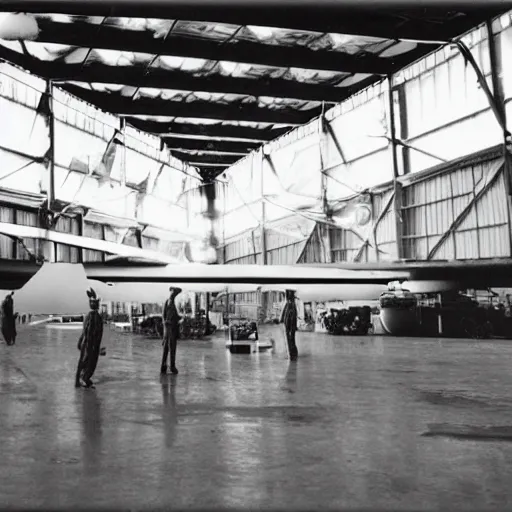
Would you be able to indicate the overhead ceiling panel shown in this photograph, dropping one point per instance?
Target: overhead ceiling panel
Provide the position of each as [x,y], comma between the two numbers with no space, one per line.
[227,79]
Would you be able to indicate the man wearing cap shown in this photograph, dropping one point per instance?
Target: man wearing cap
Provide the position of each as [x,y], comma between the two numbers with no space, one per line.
[8,319]
[171,320]
[289,318]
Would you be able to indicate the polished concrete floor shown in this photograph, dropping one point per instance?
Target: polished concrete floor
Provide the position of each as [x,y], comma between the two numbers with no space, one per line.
[373,423]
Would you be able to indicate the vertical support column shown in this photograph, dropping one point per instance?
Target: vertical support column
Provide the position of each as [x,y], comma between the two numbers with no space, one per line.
[81,233]
[224,187]
[207,313]
[52,250]
[499,96]
[122,129]
[325,230]
[51,167]
[397,201]
[263,221]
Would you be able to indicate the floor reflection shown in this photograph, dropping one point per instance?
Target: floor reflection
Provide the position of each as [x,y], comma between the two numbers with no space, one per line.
[91,420]
[169,409]
[339,428]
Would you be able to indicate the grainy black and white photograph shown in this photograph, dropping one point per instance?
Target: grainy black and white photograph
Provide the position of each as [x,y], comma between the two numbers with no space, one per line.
[255,255]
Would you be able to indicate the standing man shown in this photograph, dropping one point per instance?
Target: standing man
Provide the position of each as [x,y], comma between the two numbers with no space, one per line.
[89,343]
[171,320]
[289,318]
[8,320]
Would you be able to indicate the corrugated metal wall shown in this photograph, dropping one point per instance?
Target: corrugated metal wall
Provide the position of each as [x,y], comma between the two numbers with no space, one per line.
[285,242]
[431,205]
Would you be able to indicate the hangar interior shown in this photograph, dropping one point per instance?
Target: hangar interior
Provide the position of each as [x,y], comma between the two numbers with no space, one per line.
[294,139]
[312,142]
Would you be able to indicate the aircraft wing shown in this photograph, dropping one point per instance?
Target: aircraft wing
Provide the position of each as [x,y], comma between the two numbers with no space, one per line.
[230,274]
[84,242]
[147,293]
[478,274]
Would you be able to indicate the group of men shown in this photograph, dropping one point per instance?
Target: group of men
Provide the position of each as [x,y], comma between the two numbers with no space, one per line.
[89,343]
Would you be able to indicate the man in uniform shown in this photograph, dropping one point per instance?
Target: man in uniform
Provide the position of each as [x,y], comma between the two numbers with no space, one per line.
[289,318]
[171,320]
[8,319]
[89,343]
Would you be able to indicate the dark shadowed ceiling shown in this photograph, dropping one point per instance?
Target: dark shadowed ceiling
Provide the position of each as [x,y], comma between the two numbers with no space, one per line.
[216,81]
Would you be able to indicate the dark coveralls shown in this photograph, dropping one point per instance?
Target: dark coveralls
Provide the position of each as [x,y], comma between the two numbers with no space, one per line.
[8,320]
[289,318]
[171,320]
[89,345]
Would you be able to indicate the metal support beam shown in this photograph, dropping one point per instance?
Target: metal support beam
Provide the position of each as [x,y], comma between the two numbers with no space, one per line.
[161,78]
[51,155]
[122,127]
[118,104]
[325,231]
[499,97]
[263,211]
[200,158]
[497,110]
[116,38]
[181,143]
[334,17]
[491,178]
[218,132]
[334,137]
[373,234]
[396,184]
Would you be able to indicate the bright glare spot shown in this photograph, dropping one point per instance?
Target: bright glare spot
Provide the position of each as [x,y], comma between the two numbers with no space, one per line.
[262,33]
[18,27]
[228,66]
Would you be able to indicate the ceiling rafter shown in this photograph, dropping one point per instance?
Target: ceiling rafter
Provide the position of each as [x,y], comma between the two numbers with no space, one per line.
[183,81]
[117,104]
[200,158]
[214,131]
[361,18]
[208,145]
[115,38]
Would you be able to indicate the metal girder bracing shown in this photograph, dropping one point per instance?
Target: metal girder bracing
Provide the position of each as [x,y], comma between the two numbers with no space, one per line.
[491,178]
[211,167]
[200,158]
[118,104]
[412,147]
[191,152]
[210,145]
[208,131]
[497,110]
[116,38]
[389,22]
[159,78]
[396,184]
[327,127]
[373,235]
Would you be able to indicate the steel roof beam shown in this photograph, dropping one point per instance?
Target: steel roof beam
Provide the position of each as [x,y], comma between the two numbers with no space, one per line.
[200,159]
[214,131]
[179,80]
[114,38]
[118,104]
[361,18]
[205,145]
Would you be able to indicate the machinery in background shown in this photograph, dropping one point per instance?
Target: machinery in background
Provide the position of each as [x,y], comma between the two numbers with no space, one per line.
[349,321]
[241,329]
[450,314]
[192,327]
[150,326]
